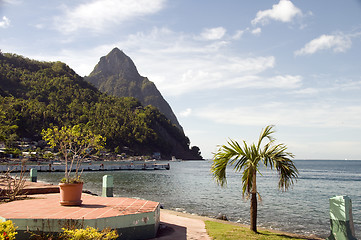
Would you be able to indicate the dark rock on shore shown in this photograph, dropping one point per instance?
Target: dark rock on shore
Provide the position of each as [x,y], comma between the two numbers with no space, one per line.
[221,216]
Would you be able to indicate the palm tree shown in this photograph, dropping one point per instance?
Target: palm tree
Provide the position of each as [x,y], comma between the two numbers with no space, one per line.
[247,159]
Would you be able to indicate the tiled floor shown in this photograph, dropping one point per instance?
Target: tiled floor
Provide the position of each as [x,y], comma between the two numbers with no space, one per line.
[47,206]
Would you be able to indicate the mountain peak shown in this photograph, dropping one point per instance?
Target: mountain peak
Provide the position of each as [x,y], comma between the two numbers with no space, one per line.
[117,75]
[115,51]
[116,62]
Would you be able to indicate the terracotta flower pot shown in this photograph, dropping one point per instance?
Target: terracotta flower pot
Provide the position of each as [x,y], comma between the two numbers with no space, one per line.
[70,194]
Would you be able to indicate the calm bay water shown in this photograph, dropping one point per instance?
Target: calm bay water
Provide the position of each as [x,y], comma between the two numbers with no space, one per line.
[188,186]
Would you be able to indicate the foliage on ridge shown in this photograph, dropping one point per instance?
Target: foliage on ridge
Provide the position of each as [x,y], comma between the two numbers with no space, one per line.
[36,95]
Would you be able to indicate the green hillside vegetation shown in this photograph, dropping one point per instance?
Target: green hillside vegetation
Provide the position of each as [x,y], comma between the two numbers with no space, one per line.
[35,95]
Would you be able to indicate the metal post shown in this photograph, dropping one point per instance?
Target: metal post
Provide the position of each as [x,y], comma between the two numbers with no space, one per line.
[342,227]
[33,175]
[107,186]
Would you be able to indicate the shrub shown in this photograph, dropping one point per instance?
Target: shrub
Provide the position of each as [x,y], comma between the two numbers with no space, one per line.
[7,230]
[89,233]
[15,184]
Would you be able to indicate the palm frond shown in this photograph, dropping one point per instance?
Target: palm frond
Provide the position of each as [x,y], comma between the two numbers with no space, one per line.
[225,156]
[232,154]
[287,174]
[266,133]
[220,162]
[278,157]
[247,180]
[246,158]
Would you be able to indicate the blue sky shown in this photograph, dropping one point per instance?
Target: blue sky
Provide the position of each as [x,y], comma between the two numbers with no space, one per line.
[227,68]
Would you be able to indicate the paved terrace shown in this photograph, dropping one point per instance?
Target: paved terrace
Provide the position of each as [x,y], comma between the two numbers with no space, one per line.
[133,218]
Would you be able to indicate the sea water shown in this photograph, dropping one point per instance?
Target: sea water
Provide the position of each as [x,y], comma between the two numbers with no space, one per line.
[188,186]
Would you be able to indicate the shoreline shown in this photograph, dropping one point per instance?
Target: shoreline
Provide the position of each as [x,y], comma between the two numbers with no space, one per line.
[204,218]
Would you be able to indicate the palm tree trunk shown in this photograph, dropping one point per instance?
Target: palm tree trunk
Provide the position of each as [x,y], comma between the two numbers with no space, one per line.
[253,210]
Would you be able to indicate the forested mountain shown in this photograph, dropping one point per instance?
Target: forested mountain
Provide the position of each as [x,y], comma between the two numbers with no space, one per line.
[35,95]
[117,75]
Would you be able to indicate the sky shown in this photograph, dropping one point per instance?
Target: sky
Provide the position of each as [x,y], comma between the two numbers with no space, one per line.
[227,68]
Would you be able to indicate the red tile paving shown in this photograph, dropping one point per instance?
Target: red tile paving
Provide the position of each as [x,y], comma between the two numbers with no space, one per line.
[47,206]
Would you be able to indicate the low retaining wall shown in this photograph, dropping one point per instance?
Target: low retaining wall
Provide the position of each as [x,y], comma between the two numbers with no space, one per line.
[88,167]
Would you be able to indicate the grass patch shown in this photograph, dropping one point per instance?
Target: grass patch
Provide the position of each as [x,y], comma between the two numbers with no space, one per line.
[223,231]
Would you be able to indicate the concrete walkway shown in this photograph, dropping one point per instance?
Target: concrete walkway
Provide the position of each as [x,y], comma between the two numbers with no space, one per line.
[182,226]
[177,227]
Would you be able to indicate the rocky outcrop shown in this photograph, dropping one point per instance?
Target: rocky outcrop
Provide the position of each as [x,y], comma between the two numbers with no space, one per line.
[117,75]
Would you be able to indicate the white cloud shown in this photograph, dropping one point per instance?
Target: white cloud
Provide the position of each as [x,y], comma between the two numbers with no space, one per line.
[14,2]
[5,23]
[98,14]
[205,73]
[333,88]
[220,72]
[284,11]
[310,148]
[191,65]
[318,115]
[247,66]
[186,112]
[238,34]
[257,82]
[337,43]
[348,85]
[286,82]
[39,26]
[178,64]
[213,33]
[256,31]
[306,91]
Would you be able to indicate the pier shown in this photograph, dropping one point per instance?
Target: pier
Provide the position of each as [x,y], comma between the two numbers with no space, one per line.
[88,167]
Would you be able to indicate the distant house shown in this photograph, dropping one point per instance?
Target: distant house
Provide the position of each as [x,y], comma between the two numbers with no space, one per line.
[29,154]
[157,155]
[2,150]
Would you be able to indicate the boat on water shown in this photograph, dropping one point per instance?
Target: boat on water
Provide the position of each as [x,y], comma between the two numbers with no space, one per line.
[150,160]
[174,159]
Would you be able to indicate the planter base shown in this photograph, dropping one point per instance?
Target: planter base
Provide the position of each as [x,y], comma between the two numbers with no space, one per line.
[71,203]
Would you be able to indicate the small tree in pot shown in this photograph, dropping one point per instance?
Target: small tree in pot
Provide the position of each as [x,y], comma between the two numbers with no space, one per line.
[74,143]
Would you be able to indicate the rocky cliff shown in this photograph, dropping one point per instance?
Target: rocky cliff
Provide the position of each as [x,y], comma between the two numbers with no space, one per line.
[117,75]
